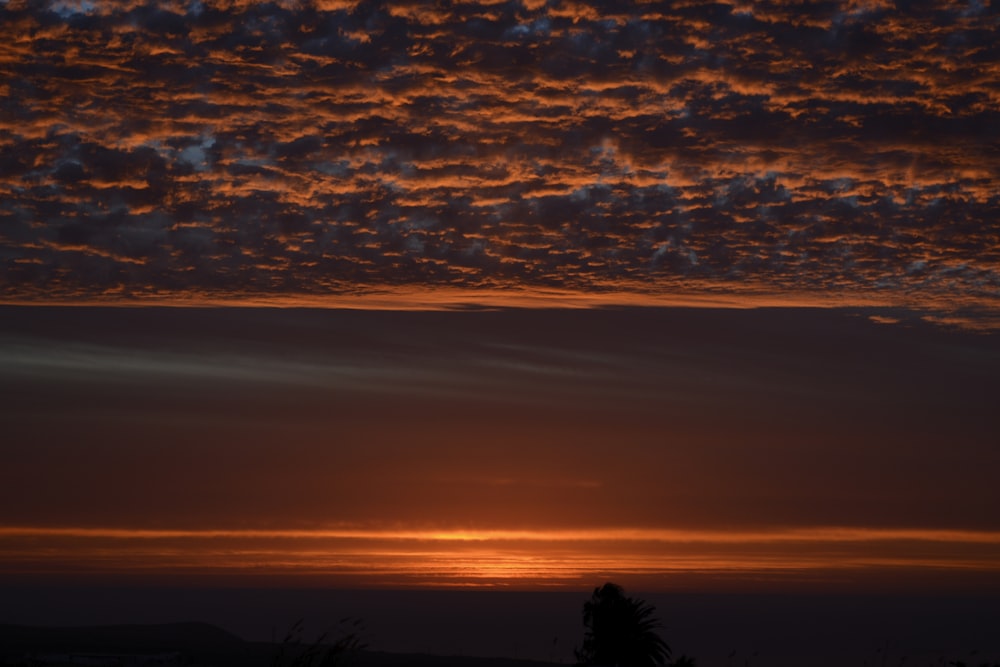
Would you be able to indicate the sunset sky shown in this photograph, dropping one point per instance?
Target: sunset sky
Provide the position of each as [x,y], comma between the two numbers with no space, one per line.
[501,294]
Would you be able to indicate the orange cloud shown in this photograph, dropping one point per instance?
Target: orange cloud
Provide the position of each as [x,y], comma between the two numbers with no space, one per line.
[525,559]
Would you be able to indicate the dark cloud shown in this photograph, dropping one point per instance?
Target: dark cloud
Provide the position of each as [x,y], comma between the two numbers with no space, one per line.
[230,148]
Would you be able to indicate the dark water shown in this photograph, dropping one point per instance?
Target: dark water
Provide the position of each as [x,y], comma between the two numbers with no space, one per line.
[719,630]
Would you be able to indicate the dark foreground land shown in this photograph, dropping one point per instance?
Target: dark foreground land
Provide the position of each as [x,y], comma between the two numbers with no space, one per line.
[192,645]
[205,645]
[512,628]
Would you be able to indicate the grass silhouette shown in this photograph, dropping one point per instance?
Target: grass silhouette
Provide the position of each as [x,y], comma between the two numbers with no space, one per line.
[333,648]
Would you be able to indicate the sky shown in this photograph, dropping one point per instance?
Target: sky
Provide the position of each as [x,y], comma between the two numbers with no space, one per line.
[505,294]
[664,448]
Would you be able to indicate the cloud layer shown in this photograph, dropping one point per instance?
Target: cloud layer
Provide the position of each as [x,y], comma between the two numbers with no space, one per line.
[665,560]
[231,149]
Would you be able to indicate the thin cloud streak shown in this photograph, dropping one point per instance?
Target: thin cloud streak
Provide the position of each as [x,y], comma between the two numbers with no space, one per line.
[831,534]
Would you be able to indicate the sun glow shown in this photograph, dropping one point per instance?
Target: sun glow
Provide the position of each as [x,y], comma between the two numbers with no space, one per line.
[499,558]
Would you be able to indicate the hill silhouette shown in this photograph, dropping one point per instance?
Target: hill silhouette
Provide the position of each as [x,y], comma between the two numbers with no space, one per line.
[196,644]
[124,638]
[199,642]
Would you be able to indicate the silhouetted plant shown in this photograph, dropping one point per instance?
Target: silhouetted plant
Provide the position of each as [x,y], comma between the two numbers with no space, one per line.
[684,661]
[326,651]
[620,631]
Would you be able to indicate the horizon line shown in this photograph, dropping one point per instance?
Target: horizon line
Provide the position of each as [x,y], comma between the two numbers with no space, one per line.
[510,559]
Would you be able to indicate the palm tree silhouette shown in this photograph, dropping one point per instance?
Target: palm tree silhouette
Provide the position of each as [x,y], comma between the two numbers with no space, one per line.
[620,631]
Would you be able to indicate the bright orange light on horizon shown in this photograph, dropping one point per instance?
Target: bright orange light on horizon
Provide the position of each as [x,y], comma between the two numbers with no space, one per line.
[503,558]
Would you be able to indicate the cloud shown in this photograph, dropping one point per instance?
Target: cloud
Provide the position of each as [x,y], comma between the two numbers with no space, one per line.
[231,149]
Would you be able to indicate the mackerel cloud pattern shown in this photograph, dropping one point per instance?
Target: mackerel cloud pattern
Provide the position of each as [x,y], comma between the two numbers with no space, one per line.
[238,148]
